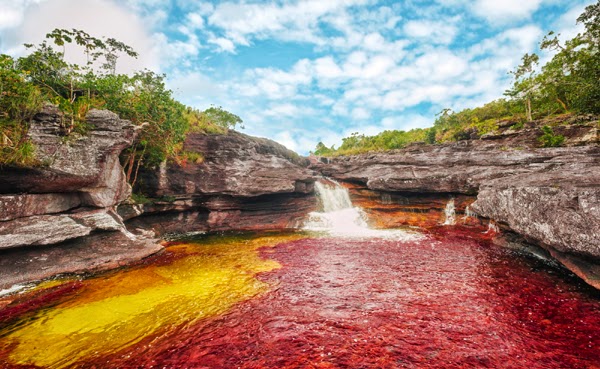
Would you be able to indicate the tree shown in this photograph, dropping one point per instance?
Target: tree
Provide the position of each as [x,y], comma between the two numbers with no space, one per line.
[221,117]
[525,85]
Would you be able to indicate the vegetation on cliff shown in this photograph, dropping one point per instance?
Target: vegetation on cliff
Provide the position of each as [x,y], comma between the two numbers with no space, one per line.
[568,84]
[46,76]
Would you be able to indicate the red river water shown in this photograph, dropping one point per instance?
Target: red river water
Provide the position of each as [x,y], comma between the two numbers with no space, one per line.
[446,299]
[450,301]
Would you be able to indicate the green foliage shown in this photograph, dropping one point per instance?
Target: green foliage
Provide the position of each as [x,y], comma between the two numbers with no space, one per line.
[517,126]
[470,123]
[139,198]
[386,140]
[322,150]
[549,139]
[191,157]
[220,117]
[200,123]
[430,136]
[569,81]
[45,76]
[19,101]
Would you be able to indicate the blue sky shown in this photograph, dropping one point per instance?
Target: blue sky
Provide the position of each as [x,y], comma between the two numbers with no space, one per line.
[306,71]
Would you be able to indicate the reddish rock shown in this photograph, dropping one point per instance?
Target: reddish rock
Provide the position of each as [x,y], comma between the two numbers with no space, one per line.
[395,209]
[88,165]
[58,217]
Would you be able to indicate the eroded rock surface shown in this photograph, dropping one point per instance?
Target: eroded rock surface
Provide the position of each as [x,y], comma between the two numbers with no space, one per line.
[550,196]
[88,164]
[241,183]
[59,208]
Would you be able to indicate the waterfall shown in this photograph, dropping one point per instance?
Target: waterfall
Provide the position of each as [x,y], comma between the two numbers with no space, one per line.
[339,217]
[450,213]
[492,227]
[469,214]
[333,196]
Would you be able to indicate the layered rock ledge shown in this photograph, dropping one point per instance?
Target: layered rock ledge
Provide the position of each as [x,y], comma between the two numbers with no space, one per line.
[53,215]
[549,196]
[241,183]
[73,213]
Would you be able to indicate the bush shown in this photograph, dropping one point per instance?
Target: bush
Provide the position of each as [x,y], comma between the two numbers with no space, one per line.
[142,98]
[549,139]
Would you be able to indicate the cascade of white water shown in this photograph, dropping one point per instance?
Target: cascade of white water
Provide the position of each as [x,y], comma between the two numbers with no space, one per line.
[492,227]
[469,214]
[333,196]
[450,213]
[340,218]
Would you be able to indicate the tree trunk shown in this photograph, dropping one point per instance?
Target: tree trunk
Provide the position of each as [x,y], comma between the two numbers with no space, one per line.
[528,110]
[562,103]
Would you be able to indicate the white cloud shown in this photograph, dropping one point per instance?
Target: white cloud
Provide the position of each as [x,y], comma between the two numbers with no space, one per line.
[12,12]
[42,17]
[223,44]
[506,10]
[406,122]
[360,114]
[294,21]
[434,32]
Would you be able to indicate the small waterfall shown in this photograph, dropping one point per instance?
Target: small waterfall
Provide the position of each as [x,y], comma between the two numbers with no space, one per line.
[333,196]
[492,228]
[340,218]
[468,214]
[450,213]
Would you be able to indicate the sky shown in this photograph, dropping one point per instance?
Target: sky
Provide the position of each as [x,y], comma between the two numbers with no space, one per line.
[305,71]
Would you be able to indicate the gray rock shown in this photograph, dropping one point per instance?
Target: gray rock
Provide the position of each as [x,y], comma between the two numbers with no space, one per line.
[549,196]
[234,164]
[40,230]
[96,252]
[85,164]
[26,205]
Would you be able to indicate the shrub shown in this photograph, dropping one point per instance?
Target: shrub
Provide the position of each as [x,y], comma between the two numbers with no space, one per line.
[549,139]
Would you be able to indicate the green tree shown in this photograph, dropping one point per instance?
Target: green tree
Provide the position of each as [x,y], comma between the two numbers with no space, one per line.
[549,139]
[221,117]
[525,85]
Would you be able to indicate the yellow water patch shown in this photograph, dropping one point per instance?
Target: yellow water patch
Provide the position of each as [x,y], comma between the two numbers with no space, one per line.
[119,309]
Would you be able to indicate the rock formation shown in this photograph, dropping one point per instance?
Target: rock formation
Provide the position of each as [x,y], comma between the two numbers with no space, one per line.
[59,209]
[241,183]
[549,196]
[61,215]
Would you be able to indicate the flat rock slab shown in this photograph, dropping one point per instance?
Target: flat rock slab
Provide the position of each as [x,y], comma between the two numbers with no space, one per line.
[97,252]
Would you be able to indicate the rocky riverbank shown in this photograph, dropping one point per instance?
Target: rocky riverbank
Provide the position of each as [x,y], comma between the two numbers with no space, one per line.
[73,212]
[548,196]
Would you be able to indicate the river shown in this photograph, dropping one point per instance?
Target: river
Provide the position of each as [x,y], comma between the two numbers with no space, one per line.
[336,295]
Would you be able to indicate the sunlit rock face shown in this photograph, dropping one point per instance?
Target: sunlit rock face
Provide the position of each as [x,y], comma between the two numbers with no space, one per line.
[87,165]
[550,196]
[240,183]
[52,215]
[233,164]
